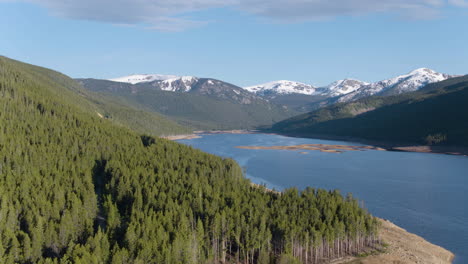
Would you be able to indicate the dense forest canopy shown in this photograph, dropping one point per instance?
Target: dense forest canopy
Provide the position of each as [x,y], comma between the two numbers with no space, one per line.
[77,188]
[436,114]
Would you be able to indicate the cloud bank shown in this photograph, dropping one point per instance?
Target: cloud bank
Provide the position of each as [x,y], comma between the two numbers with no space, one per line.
[173,15]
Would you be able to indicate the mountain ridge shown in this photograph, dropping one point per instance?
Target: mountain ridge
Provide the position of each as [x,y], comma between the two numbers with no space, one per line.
[293,95]
[202,103]
[433,115]
[141,78]
[354,88]
[411,81]
[281,87]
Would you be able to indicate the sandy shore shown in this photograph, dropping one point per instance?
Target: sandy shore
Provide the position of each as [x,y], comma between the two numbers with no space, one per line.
[376,145]
[199,134]
[235,131]
[433,149]
[178,137]
[390,146]
[403,248]
[318,147]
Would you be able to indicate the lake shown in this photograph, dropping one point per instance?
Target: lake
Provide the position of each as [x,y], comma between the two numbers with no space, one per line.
[427,194]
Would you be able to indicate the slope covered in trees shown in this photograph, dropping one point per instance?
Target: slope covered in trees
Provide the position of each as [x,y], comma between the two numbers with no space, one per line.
[137,118]
[436,114]
[111,108]
[77,188]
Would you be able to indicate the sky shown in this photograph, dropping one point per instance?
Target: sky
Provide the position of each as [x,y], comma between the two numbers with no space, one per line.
[244,42]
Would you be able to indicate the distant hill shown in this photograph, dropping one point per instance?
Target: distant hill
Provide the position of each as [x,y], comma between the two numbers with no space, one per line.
[436,114]
[202,103]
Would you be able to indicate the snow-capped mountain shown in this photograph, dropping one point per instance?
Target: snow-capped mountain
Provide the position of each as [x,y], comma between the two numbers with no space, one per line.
[283,92]
[304,97]
[351,89]
[341,87]
[136,84]
[177,84]
[410,82]
[142,78]
[170,83]
[281,88]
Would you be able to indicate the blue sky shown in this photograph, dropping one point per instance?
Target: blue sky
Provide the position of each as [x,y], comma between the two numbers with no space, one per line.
[239,41]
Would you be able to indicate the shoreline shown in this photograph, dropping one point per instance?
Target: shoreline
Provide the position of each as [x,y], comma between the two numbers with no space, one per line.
[179,137]
[402,247]
[388,146]
[200,133]
[399,246]
[315,147]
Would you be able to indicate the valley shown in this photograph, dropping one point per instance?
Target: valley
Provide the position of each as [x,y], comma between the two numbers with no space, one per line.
[132,111]
[105,193]
[233,132]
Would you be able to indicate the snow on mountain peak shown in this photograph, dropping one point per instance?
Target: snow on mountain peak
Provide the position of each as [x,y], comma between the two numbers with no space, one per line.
[346,89]
[409,82]
[412,81]
[178,84]
[425,71]
[140,78]
[342,87]
[171,83]
[282,87]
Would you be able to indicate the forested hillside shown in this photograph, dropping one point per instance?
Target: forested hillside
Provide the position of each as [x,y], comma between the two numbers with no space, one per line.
[108,107]
[435,115]
[210,104]
[136,118]
[77,188]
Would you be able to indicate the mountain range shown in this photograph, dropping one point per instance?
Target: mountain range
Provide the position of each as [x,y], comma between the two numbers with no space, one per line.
[207,103]
[180,84]
[303,97]
[141,78]
[281,87]
[433,115]
[198,103]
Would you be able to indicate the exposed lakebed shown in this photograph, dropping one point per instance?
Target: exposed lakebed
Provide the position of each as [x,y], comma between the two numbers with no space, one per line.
[427,194]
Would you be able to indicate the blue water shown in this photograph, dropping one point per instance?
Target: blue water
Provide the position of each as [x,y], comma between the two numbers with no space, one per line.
[427,194]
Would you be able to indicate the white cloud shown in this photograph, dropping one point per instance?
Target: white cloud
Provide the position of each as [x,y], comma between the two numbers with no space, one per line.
[178,14]
[459,3]
[304,10]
